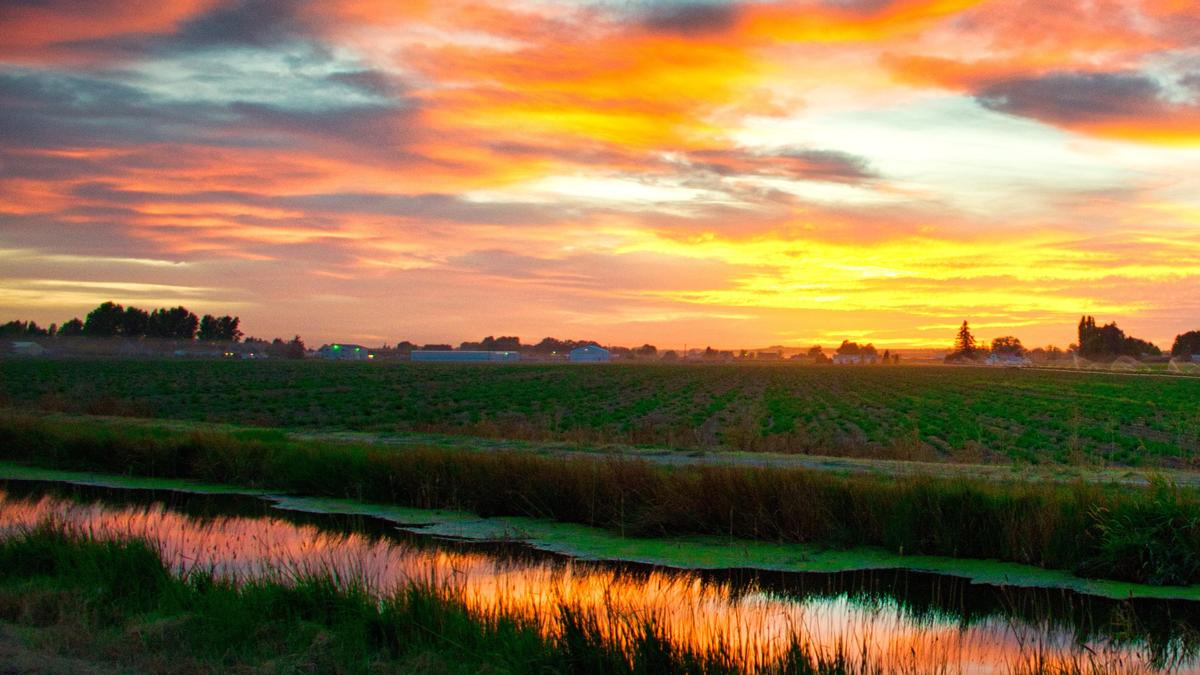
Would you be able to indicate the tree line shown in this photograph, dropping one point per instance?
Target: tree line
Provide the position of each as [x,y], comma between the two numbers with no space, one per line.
[109,320]
[1095,342]
[512,343]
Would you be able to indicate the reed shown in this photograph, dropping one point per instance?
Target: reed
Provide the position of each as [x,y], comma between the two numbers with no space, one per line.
[115,603]
[1149,535]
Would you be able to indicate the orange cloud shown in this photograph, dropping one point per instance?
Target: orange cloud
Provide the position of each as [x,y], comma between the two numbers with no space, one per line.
[35,32]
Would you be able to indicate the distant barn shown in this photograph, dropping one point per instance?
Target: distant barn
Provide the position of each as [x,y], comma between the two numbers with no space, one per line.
[28,349]
[589,354]
[344,352]
[1007,360]
[445,356]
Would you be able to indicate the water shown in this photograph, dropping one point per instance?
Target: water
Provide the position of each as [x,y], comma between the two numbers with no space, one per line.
[904,622]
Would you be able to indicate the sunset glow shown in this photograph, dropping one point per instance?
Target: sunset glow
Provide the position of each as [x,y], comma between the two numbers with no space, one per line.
[733,173]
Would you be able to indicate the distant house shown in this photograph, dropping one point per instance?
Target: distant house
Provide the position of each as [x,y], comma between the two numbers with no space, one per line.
[589,354]
[768,356]
[855,359]
[464,356]
[1007,360]
[344,352]
[28,349]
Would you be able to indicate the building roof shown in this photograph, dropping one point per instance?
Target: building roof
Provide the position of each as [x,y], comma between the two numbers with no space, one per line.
[339,346]
[589,348]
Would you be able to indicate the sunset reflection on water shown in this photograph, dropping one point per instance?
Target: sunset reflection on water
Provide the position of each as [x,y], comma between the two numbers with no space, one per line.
[754,626]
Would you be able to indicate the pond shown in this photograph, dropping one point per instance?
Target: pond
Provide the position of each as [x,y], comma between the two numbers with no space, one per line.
[899,621]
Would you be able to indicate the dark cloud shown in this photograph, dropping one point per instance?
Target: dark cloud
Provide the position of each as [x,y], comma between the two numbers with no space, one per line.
[256,23]
[830,165]
[1192,82]
[863,6]
[242,23]
[1066,98]
[46,110]
[802,164]
[54,110]
[369,81]
[689,18]
[374,128]
[431,207]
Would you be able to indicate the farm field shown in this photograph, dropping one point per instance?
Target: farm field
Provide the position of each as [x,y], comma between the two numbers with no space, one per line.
[940,414]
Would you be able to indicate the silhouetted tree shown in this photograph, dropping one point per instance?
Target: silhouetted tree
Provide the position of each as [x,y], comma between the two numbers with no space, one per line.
[1008,345]
[1109,341]
[104,321]
[134,322]
[224,328]
[1186,344]
[176,323]
[291,349]
[964,342]
[646,351]
[22,329]
[817,355]
[72,328]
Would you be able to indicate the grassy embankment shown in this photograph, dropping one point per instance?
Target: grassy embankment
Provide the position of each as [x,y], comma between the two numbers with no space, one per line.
[115,605]
[1142,535]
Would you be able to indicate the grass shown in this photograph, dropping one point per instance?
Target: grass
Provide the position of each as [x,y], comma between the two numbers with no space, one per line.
[1121,533]
[920,413]
[115,603]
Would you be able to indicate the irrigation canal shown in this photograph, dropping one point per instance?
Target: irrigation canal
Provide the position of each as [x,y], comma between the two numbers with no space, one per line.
[902,621]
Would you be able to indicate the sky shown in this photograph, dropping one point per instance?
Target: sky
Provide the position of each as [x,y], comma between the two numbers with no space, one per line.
[733,174]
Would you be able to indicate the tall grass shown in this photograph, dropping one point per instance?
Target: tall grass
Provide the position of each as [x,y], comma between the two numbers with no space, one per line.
[121,605]
[1149,535]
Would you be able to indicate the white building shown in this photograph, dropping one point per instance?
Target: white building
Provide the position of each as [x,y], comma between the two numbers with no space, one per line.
[589,354]
[28,349]
[1010,360]
[461,356]
[344,352]
[854,359]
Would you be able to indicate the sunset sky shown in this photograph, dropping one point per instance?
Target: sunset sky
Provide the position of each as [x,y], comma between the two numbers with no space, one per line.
[737,174]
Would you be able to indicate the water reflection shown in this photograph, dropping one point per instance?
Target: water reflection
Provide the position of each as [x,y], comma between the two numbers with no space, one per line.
[927,625]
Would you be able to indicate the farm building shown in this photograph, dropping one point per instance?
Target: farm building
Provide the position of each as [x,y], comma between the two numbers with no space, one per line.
[28,349]
[343,352]
[853,359]
[589,354]
[450,356]
[1009,360]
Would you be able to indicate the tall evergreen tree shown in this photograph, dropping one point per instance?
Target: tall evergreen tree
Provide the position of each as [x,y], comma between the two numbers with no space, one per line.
[964,343]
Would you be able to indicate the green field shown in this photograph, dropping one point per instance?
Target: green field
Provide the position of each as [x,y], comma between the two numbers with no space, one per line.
[924,413]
